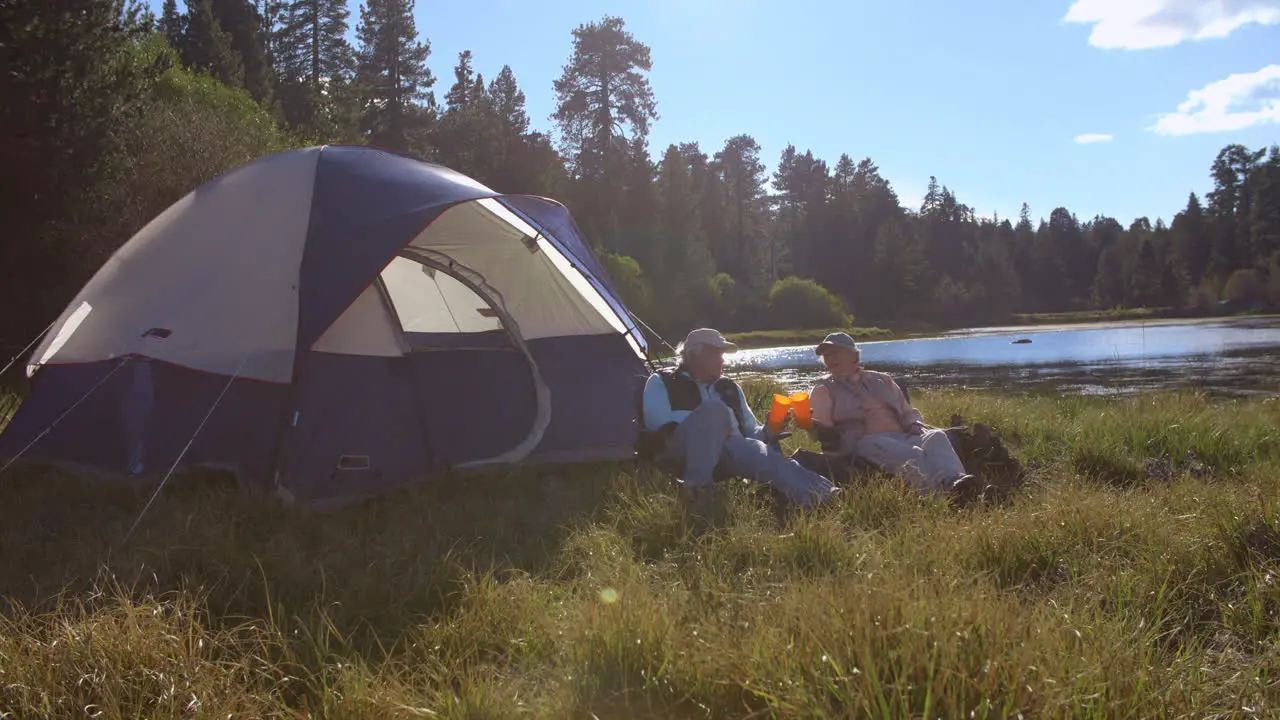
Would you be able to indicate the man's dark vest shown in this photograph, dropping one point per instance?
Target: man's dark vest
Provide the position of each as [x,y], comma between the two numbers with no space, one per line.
[684,394]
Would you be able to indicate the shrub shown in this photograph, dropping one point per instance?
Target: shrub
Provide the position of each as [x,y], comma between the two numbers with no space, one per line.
[1202,297]
[628,277]
[798,302]
[1244,286]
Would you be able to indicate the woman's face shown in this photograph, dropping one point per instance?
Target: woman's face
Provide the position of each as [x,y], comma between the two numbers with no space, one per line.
[841,360]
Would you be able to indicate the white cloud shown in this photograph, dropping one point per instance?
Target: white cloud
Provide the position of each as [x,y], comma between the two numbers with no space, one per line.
[1146,24]
[1091,138]
[1234,103]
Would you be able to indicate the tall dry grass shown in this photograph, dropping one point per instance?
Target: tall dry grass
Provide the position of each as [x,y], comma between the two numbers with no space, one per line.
[1137,574]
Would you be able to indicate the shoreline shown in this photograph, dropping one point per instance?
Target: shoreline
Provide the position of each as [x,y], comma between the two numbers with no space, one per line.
[792,337]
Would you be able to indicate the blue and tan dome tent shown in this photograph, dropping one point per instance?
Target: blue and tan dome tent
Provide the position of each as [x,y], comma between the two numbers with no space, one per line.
[331,323]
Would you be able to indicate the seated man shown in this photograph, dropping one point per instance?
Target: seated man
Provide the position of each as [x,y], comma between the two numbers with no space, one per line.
[704,422]
[863,413]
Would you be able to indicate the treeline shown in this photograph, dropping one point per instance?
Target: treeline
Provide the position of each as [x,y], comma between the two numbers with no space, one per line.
[108,114]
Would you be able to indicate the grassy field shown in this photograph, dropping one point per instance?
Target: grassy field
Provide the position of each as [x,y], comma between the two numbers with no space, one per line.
[782,338]
[1136,575]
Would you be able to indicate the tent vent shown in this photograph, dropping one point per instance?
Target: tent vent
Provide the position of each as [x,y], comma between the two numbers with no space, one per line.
[353,462]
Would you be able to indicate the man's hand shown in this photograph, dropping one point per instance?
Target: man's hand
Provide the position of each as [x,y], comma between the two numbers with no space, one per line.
[917,428]
[828,437]
[769,437]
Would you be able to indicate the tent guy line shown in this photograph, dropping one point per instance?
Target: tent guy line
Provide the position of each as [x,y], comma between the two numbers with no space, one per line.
[48,429]
[177,461]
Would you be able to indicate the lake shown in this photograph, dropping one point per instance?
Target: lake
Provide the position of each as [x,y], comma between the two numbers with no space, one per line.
[1233,356]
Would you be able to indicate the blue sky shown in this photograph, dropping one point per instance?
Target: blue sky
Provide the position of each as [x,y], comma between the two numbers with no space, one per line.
[991,96]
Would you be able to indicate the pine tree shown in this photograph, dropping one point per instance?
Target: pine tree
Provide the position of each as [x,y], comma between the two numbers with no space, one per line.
[900,269]
[1078,263]
[173,25]
[393,75]
[465,135]
[603,102]
[1264,221]
[1144,282]
[509,104]
[932,202]
[685,264]
[603,93]
[533,166]
[317,29]
[1048,272]
[243,27]
[803,184]
[684,258]
[316,66]
[787,234]
[270,15]
[638,213]
[842,178]
[511,126]
[1191,238]
[459,96]
[1110,288]
[1230,204]
[741,175]
[207,46]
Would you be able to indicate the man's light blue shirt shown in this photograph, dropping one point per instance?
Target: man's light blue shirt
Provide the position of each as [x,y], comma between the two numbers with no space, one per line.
[658,412]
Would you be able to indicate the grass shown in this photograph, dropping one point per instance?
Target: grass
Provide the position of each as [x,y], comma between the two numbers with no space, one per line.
[784,338]
[1083,316]
[1136,575]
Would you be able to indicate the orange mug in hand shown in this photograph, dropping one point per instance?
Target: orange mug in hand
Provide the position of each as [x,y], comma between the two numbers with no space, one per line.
[800,405]
[778,412]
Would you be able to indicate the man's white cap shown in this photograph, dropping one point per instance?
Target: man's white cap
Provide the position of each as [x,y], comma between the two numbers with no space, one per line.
[706,337]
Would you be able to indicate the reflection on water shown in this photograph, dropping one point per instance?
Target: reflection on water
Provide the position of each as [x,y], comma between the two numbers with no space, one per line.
[1232,356]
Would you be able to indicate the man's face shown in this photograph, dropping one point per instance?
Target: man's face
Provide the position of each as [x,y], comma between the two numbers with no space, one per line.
[841,360]
[706,364]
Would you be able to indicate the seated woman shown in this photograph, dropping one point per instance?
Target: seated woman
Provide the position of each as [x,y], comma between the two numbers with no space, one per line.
[863,413]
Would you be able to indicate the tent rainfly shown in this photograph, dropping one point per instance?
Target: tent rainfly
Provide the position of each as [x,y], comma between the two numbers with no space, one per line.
[333,323]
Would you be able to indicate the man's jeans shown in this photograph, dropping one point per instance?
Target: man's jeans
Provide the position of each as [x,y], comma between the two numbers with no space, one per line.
[706,438]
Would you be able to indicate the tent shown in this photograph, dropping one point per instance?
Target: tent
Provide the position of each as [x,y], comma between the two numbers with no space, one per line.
[335,322]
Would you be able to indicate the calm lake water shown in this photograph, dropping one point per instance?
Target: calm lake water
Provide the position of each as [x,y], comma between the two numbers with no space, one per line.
[1227,356]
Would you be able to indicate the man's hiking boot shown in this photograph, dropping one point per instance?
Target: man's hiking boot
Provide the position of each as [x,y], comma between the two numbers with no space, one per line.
[965,490]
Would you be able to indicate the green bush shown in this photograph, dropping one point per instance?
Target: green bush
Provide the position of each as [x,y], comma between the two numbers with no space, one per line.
[1245,286]
[628,277]
[799,303]
[1202,297]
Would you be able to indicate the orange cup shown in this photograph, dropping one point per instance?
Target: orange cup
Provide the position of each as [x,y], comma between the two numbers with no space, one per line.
[800,405]
[778,412]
